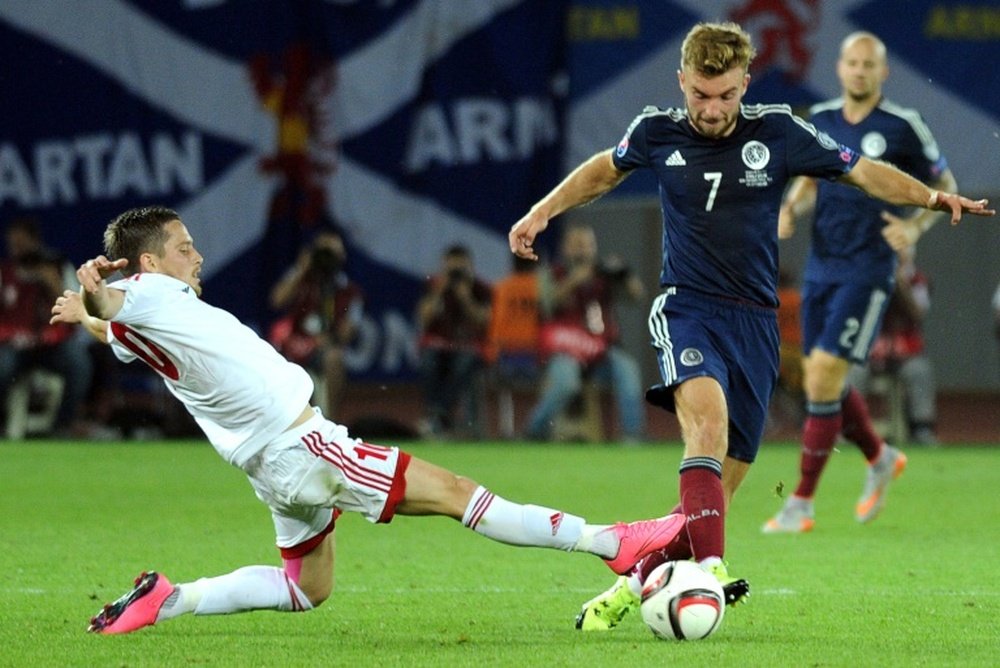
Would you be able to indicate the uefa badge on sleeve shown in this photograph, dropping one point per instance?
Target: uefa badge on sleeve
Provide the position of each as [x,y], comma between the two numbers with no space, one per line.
[622,147]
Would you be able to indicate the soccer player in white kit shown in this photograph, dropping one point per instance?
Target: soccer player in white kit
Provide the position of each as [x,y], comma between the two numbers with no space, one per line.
[253,406]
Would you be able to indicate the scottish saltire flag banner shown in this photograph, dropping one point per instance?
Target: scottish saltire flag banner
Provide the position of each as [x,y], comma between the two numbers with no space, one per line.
[410,125]
[624,55]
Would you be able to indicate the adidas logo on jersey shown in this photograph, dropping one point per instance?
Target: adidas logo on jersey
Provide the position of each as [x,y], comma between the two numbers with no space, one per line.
[676,160]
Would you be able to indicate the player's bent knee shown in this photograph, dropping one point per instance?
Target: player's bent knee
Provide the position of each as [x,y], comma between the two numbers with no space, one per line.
[456,492]
[464,486]
[312,573]
[822,367]
[704,437]
[318,593]
[433,490]
[316,588]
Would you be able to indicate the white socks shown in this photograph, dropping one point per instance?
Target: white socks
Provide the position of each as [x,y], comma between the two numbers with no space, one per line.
[248,588]
[634,582]
[536,526]
[270,588]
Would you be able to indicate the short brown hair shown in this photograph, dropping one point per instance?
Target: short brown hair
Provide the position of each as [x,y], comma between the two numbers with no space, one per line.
[711,49]
[135,232]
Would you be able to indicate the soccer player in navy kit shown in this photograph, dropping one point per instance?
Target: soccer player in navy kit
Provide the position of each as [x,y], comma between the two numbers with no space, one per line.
[722,168]
[849,275]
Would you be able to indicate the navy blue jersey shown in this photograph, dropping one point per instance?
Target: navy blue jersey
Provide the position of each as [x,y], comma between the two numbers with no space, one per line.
[720,197]
[847,243]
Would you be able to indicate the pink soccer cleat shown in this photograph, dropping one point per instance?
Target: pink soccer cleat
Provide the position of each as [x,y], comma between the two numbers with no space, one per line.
[637,539]
[136,609]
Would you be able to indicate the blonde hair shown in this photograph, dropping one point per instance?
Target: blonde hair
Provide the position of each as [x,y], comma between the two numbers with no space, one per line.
[711,49]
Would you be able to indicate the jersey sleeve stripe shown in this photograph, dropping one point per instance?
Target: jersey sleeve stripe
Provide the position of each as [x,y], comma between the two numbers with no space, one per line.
[673,113]
[760,110]
[829,105]
[912,117]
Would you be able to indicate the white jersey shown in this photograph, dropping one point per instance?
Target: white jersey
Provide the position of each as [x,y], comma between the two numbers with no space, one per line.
[240,390]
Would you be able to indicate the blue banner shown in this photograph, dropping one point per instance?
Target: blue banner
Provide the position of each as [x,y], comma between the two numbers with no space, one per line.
[409,125]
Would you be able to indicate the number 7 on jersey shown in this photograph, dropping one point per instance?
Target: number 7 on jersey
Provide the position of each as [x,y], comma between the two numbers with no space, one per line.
[716,179]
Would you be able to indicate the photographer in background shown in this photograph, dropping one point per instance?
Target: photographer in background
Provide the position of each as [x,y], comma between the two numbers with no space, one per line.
[322,311]
[453,316]
[579,334]
[31,277]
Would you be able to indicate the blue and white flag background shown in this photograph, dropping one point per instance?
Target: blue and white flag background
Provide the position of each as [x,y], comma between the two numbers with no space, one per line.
[411,125]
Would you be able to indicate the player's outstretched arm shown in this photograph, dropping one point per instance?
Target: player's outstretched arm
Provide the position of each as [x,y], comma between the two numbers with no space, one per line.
[900,233]
[882,180]
[97,298]
[69,309]
[584,184]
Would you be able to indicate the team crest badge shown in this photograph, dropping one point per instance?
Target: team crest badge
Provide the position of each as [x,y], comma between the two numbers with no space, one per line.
[873,145]
[756,155]
[691,357]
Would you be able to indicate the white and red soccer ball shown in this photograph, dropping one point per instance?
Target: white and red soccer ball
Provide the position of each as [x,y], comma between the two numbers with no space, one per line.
[680,601]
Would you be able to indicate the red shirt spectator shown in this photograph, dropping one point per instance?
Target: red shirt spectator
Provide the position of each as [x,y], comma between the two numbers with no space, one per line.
[902,335]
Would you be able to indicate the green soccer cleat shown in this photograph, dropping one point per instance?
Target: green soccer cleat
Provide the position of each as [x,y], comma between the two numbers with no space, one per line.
[734,589]
[605,611]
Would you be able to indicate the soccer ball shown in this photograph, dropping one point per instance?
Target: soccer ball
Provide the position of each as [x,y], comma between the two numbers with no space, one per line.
[680,601]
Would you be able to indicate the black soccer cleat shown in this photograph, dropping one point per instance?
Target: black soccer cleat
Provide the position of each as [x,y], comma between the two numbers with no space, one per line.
[736,591]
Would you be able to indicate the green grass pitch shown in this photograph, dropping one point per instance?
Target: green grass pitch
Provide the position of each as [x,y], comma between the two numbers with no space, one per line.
[915,588]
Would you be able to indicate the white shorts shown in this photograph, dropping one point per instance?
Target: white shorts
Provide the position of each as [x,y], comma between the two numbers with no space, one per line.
[306,473]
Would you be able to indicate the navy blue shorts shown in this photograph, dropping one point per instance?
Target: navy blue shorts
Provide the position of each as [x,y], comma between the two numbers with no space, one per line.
[843,319]
[736,344]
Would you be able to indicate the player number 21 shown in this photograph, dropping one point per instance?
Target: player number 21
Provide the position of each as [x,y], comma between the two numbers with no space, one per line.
[716,179]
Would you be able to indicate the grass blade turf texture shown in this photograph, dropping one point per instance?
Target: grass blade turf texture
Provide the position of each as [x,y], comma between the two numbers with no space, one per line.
[79,521]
